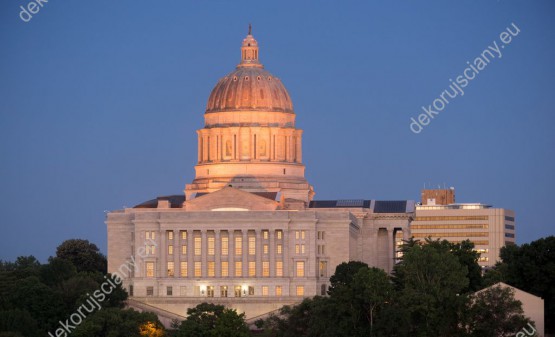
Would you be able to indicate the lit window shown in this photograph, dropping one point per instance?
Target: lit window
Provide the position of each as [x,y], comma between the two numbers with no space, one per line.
[278,291]
[238,245]
[300,291]
[302,249]
[252,245]
[170,235]
[210,291]
[323,266]
[251,290]
[265,249]
[211,269]
[183,235]
[225,269]
[302,235]
[169,291]
[278,249]
[279,268]
[252,268]
[279,234]
[225,245]
[170,250]
[150,269]
[300,268]
[297,249]
[297,235]
[183,271]
[210,246]
[198,269]
[198,246]
[170,269]
[265,235]
[184,249]
[153,250]
[223,291]
[237,291]
[265,269]
[238,268]
[265,291]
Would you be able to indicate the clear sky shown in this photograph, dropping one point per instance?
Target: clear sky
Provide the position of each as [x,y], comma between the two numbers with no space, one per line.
[100,100]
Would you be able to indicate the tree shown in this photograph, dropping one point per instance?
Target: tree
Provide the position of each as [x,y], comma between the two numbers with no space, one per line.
[495,312]
[85,256]
[19,323]
[113,322]
[208,319]
[344,274]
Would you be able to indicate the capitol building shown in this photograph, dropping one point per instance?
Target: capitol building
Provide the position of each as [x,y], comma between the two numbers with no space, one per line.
[247,232]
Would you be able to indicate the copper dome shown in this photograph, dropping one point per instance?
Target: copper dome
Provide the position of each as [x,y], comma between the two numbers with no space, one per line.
[249,87]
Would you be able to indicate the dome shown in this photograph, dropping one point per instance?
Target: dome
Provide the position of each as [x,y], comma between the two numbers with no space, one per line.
[249,86]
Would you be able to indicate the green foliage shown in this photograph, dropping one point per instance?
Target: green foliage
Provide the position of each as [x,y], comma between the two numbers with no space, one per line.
[85,256]
[112,322]
[211,320]
[18,323]
[344,274]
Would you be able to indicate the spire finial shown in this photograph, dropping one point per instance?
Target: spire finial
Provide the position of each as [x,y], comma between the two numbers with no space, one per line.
[250,29]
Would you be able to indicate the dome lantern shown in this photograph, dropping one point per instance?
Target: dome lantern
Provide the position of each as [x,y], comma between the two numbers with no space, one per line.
[249,52]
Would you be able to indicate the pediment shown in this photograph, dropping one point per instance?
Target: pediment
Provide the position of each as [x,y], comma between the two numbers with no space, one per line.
[230,199]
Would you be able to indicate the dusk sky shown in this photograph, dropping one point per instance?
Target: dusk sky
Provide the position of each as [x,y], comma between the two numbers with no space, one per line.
[100,101]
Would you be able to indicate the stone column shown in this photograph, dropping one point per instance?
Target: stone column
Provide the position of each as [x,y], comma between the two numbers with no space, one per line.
[285,253]
[176,254]
[258,256]
[162,250]
[204,253]
[245,258]
[231,253]
[272,247]
[217,253]
[391,249]
[190,254]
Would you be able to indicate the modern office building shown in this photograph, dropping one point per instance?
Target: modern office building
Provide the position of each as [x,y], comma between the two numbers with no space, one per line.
[439,217]
[247,232]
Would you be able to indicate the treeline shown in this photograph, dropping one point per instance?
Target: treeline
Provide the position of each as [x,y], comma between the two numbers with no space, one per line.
[437,289]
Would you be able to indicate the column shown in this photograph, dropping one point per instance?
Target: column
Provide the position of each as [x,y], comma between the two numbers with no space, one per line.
[163,253]
[374,236]
[258,254]
[231,253]
[199,147]
[285,251]
[204,252]
[299,147]
[176,254]
[190,254]
[245,257]
[406,234]
[391,249]
[272,253]
[218,253]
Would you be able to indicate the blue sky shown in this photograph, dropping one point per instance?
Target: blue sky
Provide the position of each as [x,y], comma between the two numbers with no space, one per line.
[100,100]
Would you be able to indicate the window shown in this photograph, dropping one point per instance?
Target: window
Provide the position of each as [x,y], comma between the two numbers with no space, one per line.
[150,269]
[302,249]
[169,291]
[279,249]
[278,291]
[300,268]
[150,250]
[507,226]
[265,291]
[170,235]
[320,235]
[509,235]
[225,268]
[183,271]
[251,291]
[170,250]
[183,235]
[265,235]
[238,268]
[266,249]
[279,234]
[238,245]
[297,249]
[323,268]
[279,268]
[184,249]
[198,246]
[210,245]
[323,290]
[483,259]
[149,291]
[302,235]
[265,269]
[150,235]
[223,291]
[225,245]
[131,290]
[237,291]
[300,291]
[297,235]
[252,245]
[198,269]
[252,268]
[170,269]
[211,268]
[210,291]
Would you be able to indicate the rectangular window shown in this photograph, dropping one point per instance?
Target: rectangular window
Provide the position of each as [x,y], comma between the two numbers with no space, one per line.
[278,291]
[150,235]
[170,235]
[183,271]
[169,291]
[265,235]
[279,235]
[323,249]
[279,249]
[223,291]
[131,290]
[183,235]
[210,245]
[225,269]
[300,268]
[265,269]
[149,291]
[266,249]
[265,291]
[150,269]
[170,250]
[252,268]
[323,268]
[252,245]
[225,245]
[211,269]
[302,249]
[297,249]
[198,269]
[279,268]
[238,268]
[238,245]
[300,291]
[210,291]
[198,246]
[237,291]
[297,235]
[303,235]
[170,269]
[184,249]
[251,291]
